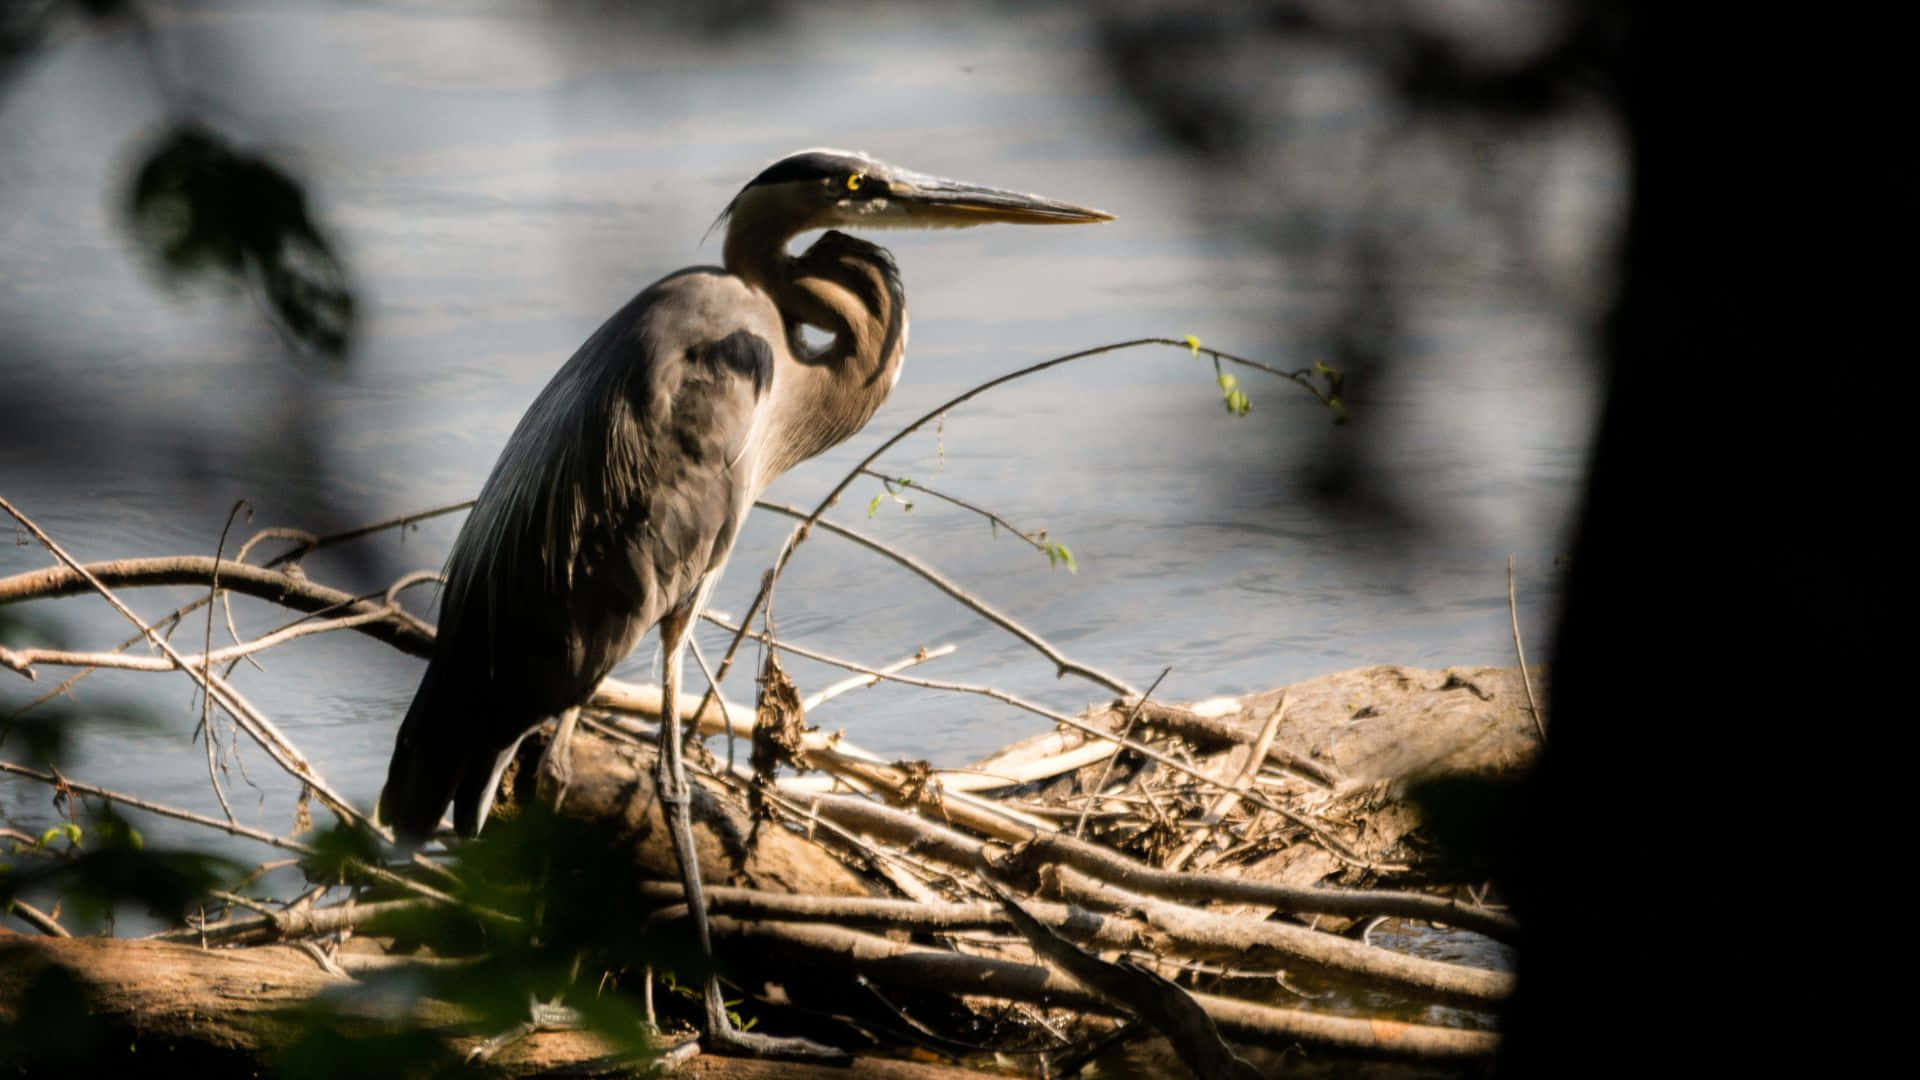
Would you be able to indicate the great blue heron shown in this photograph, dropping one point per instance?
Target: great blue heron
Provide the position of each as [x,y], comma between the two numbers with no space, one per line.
[618,497]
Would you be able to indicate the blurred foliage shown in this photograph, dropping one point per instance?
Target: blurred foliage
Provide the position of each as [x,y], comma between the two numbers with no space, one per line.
[104,863]
[55,1028]
[1469,820]
[548,914]
[198,205]
[334,1045]
[43,734]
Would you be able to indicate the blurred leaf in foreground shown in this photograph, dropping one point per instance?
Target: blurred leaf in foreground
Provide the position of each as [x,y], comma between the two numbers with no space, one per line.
[198,205]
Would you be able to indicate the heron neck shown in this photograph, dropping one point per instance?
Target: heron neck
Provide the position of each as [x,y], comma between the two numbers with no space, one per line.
[850,288]
[756,245]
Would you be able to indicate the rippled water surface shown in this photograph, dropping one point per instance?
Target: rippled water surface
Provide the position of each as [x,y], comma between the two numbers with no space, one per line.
[499,186]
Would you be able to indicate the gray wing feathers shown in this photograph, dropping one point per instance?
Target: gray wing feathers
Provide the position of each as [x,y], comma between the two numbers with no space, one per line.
[621,488]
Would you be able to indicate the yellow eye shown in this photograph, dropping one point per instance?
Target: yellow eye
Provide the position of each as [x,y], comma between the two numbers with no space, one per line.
[853,181]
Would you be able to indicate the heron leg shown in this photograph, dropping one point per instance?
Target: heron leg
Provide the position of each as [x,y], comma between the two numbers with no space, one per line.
[557,760]
[676,801]
[541,1016]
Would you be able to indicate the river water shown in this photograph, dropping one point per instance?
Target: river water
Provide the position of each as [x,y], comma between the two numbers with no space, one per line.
[498,184]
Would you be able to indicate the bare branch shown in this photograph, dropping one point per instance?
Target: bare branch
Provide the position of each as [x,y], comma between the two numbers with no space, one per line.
[1037,540]
[1063,665]
[1513,614]
[36,918]
[1302,377]
[1054,849]
[397,627]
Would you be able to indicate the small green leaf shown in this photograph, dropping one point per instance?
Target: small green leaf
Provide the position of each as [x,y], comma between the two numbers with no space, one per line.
[1193,344]
[115,830]
[1228,382]
[1060,553]
[874,506]
[67,829]
[1237,403]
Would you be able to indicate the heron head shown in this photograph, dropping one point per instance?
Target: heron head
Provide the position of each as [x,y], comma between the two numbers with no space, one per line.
[822,188]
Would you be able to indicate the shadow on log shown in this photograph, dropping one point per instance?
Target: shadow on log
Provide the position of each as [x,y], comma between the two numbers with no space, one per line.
[612,793]
[148,1006]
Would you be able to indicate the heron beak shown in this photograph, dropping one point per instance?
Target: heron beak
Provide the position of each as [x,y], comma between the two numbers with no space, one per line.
[930,200]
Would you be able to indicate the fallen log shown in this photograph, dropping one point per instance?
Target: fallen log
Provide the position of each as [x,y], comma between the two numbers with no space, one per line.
[612,790]
[881,959]
[797,894]
[237,1011]
[1162,928]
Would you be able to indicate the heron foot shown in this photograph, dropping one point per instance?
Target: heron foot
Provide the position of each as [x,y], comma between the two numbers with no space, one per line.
[541,1016]
[556,762]
[723,1037]
[727,1039]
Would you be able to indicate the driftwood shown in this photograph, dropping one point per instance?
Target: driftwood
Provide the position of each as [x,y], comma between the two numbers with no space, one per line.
[618,786]
[882,959]
[612,789]
[1208,853]
[790,900]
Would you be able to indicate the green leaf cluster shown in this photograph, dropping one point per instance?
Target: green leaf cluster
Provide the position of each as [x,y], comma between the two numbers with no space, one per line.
[1235,398]
[1058,554]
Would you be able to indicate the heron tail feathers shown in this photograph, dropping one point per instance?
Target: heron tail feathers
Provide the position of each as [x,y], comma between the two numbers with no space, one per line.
[449,750]
[430,762]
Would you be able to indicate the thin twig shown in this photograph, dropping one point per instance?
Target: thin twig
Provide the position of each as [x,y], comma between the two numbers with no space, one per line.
[821,697]
[378,873]
[1302,377]
[1224,805]
[399,628]
[1126,731]
[151,807]
[1038,539]
[17,658]
[1062,663]
[249,719]
[310,545]
[307,542]
[36,918]
[1333,844]
[1513,614]
[206,670]
[713,687]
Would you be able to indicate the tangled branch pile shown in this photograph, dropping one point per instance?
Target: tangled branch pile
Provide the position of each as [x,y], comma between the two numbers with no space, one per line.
[1202,880]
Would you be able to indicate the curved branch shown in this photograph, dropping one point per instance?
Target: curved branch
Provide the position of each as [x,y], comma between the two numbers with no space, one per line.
[21,659]
[399,628]
[1049,851]
[1303,378]
[1036,539]
[1062,663]
[888,961]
